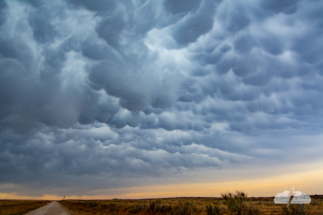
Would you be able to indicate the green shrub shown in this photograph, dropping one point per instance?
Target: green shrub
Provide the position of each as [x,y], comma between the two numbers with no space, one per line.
[235,202]
[184,208]
[210,210]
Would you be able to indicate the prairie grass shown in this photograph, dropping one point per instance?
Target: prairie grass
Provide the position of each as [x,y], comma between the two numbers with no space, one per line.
[19,207]
[188,206]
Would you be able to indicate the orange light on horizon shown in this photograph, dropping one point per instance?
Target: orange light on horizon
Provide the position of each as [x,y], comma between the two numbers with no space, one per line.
[308,182]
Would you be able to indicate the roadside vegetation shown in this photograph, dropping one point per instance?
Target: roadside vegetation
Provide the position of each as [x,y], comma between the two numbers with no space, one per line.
[237,203]
[19,207]
[229,204]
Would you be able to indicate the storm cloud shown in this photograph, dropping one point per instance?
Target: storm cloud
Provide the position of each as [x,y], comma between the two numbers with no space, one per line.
[97,92]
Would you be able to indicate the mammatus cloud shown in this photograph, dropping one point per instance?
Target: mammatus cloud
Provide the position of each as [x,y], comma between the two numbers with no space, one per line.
[91,90]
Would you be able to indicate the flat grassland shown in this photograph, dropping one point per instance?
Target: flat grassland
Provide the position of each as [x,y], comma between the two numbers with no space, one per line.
[188,206]
[19,207]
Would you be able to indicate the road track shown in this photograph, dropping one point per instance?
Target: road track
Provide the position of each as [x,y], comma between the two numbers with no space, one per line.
[52,208]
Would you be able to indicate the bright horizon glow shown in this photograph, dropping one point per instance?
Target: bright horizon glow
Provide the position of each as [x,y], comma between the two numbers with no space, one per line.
[264,187]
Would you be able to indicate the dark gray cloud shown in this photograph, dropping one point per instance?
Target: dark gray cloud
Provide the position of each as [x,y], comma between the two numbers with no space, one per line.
[194,24]
[91,90]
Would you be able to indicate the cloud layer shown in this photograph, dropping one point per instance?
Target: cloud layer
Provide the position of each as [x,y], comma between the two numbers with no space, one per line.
[99,91]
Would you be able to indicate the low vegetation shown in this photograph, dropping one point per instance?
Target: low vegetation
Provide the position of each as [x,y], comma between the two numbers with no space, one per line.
[229,204]
[19,207]
[129,207]
[237,203]
[213,210]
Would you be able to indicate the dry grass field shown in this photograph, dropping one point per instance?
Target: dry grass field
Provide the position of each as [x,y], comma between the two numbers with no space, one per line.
[188,206]
[19,207]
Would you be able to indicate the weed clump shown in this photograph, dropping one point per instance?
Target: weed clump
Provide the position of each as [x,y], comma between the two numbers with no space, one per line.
[250,210]
[297,209]
[137,209]
[213,210]
[181,208]
[235,202]
[184,208]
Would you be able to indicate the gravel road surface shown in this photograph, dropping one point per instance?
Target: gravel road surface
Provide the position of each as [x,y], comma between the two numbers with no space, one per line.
[52,208]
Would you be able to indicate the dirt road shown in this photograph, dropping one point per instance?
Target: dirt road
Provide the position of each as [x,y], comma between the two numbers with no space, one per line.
[52,208]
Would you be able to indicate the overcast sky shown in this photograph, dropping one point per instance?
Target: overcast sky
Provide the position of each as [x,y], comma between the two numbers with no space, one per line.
[109,94]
